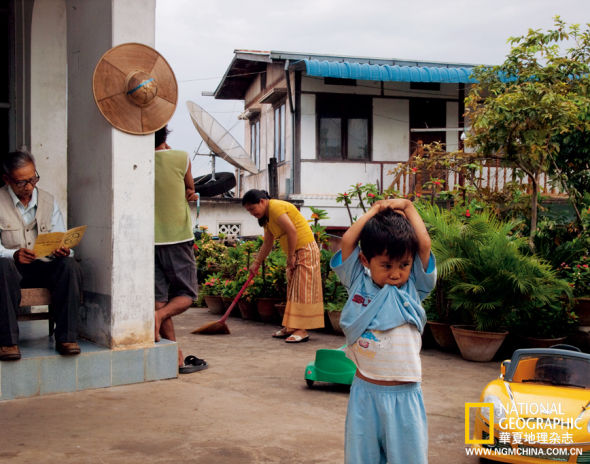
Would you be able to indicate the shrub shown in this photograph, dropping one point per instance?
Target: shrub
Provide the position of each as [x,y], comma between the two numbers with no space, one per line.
[486,272]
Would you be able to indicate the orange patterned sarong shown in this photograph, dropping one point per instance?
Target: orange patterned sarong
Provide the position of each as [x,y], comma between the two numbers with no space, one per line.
[305,304]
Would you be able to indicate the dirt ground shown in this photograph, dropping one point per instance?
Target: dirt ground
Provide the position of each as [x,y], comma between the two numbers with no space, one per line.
[251,405]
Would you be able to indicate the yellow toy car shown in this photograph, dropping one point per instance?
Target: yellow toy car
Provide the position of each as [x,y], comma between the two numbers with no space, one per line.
[538,410]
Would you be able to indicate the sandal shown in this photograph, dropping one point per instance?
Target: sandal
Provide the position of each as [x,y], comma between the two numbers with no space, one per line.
[282,333]
[192,364]
[297,339]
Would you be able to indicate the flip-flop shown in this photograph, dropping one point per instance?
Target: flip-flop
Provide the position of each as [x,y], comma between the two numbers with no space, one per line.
[296,339]
[192,364]
[281,333]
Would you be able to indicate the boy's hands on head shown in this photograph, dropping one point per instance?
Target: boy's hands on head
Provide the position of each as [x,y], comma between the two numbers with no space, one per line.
[402,206]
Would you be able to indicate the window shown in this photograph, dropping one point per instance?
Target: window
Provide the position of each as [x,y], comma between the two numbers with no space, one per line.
[343,127]
[280,133]
[255,142]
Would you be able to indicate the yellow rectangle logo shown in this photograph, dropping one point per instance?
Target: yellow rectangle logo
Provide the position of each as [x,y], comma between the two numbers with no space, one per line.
[474,441]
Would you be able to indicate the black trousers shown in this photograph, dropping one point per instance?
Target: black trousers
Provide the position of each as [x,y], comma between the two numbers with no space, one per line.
[61,276]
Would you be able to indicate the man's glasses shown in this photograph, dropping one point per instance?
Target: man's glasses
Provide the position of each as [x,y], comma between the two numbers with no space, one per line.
[23,183]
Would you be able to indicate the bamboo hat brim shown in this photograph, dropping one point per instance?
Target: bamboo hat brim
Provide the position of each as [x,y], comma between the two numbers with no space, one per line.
[135,89]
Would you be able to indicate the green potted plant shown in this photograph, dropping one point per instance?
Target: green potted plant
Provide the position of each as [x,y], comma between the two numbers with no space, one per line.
[578,275]
[335,297]
[491,277]
[270,285]
[211,291]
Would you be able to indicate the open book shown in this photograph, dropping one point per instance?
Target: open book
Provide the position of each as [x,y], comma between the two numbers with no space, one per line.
[48,243]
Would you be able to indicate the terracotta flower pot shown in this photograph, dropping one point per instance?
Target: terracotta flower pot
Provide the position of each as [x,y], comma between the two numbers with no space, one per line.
[280,309]
[443,336]
[226,304]
[582,310]
[266,309]
[476,345]
[214,304]
[335,321]
[248,309]
[533,342]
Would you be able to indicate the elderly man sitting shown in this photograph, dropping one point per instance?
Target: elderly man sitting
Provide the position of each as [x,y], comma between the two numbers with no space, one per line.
[24,212]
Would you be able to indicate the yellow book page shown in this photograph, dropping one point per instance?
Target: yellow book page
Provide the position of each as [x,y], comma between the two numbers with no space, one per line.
[73,237]
[48,243]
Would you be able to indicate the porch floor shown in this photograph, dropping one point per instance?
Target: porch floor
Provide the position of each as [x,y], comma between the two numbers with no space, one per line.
[43,371]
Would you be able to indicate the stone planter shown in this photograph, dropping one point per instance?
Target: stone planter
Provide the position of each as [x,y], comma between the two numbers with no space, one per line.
[214,304]
[476,345]
[335,321]
[248,309]
[443,336]
[582,310]
[266,309]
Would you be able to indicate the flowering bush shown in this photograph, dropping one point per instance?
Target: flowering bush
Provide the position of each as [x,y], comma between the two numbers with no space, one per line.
[213,285]
[209,254]
[578,276]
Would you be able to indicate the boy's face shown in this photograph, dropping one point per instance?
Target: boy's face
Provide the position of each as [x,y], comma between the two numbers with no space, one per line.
[385,270]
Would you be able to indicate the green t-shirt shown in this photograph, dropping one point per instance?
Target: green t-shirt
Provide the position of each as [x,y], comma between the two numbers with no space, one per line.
[172,214]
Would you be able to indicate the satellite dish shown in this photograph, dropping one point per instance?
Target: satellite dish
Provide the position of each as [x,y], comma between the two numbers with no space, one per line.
[219,140]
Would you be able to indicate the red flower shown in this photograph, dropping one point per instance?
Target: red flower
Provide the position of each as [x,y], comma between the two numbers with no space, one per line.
[195,246]
[345,194]
[584,265]
[418,195]
[371,195]
[467,213]
[437,182]
[414,169]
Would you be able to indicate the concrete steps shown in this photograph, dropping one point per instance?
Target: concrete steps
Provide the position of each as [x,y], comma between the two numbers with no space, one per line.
[42,371]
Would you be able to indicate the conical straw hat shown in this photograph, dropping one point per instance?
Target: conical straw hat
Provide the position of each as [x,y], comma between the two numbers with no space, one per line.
[135,89]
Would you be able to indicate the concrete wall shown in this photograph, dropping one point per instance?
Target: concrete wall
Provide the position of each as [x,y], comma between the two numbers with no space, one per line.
[111,183]
[216,212]
[48,105]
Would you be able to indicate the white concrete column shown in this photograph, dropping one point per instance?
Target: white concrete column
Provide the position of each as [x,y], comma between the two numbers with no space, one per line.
[48,105]
[111,181]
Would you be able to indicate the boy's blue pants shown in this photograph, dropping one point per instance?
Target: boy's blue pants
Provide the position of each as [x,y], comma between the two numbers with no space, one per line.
[386,424]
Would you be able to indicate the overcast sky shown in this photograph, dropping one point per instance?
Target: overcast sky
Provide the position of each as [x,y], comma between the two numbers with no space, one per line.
[198,39]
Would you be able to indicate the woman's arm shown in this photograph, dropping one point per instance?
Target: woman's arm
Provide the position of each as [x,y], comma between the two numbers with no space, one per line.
[285,223]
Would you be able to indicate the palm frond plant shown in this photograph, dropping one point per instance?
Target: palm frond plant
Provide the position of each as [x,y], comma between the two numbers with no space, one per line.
[486,272]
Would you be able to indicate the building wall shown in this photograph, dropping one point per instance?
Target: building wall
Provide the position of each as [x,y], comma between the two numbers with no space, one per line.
[391,129]
[321,182]
[275,74]
[48,105]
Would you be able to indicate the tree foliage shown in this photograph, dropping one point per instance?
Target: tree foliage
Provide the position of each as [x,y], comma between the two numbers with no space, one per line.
[523,109]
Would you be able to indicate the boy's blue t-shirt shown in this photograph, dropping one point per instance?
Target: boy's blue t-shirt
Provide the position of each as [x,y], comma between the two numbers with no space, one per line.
[371,307]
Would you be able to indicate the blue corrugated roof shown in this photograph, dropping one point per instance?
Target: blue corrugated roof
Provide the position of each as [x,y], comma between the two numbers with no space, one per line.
[392,73]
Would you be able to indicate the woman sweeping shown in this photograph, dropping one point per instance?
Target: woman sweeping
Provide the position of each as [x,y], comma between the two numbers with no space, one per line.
[281,219]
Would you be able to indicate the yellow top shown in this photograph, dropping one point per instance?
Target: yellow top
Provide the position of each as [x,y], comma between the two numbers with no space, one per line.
[304,234]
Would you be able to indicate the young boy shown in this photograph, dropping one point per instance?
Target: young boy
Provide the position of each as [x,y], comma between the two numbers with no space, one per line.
[383,320]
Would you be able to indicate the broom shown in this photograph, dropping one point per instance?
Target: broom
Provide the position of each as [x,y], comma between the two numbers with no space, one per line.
[220,327]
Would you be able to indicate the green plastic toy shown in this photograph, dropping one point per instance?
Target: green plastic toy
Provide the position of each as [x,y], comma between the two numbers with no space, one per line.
[330,366]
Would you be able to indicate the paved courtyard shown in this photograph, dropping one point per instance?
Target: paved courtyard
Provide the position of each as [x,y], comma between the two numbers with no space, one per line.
[250,406]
